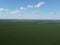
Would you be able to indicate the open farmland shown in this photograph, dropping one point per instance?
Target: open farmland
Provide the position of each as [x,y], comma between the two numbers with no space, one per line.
[13,32]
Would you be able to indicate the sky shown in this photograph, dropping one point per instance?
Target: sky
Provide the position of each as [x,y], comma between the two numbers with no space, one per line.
[30,9]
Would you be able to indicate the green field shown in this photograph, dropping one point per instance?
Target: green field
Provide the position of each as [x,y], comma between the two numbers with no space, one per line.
[29,33]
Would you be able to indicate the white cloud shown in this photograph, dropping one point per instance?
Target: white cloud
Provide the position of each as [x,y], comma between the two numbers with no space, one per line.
[52,13]
[17,11]
[14,12]
[30,6]
[22,8]
[39,4]
[3,9]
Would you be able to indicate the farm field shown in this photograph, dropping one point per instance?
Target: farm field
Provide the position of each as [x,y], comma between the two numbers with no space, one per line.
[29,33]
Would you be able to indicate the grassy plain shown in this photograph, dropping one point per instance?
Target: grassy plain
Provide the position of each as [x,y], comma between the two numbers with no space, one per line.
[29,33]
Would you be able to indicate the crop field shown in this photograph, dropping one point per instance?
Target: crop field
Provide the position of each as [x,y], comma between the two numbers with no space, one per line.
[29,33]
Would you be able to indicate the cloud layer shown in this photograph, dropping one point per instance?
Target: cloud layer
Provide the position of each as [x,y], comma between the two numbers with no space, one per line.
[17,11]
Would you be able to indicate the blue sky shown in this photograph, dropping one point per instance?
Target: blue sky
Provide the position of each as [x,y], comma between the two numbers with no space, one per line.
[30,9]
